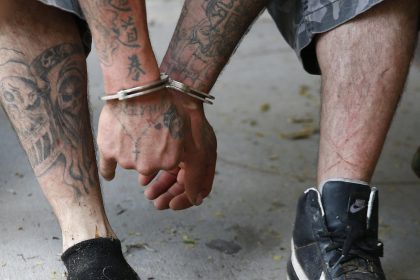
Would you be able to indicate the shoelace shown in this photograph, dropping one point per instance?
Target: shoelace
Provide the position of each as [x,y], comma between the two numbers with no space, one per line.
[352,243]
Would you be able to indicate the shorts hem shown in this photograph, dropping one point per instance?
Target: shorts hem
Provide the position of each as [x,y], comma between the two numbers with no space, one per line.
[74,9]
[303,44]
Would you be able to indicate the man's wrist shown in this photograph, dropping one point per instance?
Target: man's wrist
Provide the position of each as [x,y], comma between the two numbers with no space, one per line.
[131,69]
[186,101]
[188,78]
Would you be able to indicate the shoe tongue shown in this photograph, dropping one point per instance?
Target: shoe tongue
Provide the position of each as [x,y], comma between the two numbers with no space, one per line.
[344,203]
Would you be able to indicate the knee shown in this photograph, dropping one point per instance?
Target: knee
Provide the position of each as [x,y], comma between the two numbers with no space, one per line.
[8,9]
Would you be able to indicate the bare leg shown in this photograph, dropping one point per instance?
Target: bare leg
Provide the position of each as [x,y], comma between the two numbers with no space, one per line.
[364,66]
[43,89]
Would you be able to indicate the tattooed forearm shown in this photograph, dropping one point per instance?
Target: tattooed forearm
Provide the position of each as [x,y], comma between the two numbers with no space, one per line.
[113,25]
[135,68]
[206,35]
[120,33]
[45,100]
[128,31]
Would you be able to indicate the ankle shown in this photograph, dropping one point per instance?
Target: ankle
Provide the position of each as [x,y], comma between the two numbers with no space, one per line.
[344,174]
[82,230]
[342,179]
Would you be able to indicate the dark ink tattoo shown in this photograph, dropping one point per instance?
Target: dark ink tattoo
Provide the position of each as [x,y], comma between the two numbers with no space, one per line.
[135,69]
[121,5]
[157,117]
[130,32]
[134,109]
[135,139]
[46,101]
[114,21]
[173,122]
[199,51]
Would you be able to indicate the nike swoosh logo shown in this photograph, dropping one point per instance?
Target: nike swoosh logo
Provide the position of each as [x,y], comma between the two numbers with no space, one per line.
[355,209]
[357,206]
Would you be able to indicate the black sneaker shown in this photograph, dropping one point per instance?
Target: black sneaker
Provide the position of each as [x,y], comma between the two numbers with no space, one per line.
[336,234]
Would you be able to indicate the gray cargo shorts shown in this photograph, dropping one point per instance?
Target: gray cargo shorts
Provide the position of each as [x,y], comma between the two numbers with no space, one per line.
[298,20]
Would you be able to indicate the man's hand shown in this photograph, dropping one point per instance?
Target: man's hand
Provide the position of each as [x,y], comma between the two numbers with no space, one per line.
[190,182]
[145,133]
[205,37]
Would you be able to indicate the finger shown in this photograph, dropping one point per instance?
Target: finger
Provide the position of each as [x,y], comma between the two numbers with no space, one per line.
[165,180]
[193,180]
[162,202]
[209,179]
[193,165]
[180,178]
[198,179]
[180,202]
[107,167]
[145,180]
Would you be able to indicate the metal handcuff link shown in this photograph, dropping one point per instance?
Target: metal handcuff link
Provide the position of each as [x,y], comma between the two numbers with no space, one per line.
[164,82]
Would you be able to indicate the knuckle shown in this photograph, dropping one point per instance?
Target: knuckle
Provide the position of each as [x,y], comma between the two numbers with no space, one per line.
[107,173]
[126,164]
[170,163]
[108,176]
[105,156]
[105,152]
[145,170]
[105,168]
[102,143]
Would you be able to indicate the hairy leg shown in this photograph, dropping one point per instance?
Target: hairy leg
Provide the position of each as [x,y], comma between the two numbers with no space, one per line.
[43,90]
[364,66]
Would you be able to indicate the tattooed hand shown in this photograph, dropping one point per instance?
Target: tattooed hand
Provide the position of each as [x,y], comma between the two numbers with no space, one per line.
[145,134]
[207,33]
[156,132]
[192,180]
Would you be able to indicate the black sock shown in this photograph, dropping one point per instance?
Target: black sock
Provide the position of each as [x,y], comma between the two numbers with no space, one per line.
[97,259]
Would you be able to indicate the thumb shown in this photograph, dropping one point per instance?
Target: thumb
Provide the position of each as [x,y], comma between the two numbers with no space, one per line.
[107,167]
[145,180]
[193,177]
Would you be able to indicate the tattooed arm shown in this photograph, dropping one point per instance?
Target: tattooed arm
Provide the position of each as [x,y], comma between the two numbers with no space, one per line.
[148,133]
[120,33]
[206,35]
[145,133]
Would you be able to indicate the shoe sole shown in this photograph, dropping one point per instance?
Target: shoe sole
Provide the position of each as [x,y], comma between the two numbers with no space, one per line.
[291,274]
[291,270]
[294,268]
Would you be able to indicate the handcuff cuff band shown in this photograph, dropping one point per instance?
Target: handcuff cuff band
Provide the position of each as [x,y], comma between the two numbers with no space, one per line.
[163,82]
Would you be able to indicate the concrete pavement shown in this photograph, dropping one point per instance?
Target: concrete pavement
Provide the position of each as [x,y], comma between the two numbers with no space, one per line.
[243,230]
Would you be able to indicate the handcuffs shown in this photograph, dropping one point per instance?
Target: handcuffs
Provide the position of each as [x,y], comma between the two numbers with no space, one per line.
[164,82]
